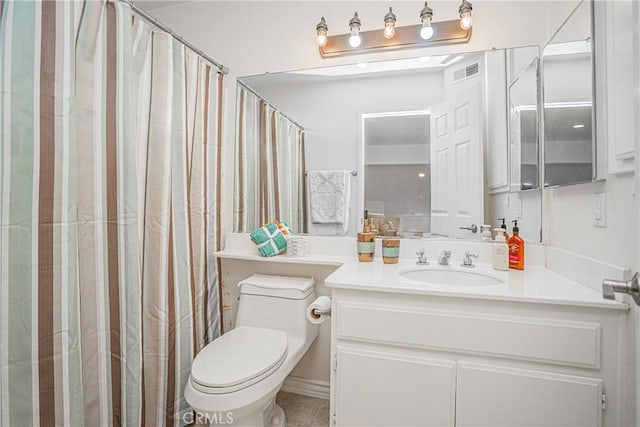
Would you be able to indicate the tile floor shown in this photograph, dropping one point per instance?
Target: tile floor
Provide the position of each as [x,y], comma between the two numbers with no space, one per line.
[304,411]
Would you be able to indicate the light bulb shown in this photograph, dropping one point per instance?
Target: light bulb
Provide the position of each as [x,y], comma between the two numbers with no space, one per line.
[389,24]
[322,39]
[321,32]
[465,20]
[354,27]
[354,39]
[389,31]
[465,15]
[426,32]
[426,15]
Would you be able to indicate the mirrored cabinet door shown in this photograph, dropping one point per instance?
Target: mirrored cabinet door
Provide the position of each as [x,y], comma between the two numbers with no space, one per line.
[523,129]
[569,131]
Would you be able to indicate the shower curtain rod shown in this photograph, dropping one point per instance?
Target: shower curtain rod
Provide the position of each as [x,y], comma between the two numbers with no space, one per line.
[153,21]
[268,103]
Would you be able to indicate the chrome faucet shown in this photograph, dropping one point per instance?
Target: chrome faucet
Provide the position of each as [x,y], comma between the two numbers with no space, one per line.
[467,261]
[422,258]
[443,258]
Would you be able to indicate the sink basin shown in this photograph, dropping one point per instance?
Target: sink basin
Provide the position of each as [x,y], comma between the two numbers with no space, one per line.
[442,276]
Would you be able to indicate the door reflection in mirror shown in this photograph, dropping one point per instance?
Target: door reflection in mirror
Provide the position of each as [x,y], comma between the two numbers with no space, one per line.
[397,178]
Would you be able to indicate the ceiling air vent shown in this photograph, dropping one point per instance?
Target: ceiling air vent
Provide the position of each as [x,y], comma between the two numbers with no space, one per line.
[466,72]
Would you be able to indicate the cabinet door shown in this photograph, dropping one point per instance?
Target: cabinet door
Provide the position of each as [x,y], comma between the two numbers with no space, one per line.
[390,389]
[499,396]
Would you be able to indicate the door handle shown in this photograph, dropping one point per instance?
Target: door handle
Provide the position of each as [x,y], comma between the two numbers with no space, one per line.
[473,228]
[630,287]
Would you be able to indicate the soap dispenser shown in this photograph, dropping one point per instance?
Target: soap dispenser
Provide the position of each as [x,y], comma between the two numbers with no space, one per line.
[500,252]
[516,248]
[504,228]
[366,242]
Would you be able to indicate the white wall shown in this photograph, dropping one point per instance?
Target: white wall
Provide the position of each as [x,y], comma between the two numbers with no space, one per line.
[253,37]
[330,112]
[568,220]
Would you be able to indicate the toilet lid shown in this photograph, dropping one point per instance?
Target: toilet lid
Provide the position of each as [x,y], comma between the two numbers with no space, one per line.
[238,359]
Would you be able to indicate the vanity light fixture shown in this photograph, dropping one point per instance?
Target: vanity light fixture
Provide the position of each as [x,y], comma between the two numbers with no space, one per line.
[321,32]
[354,28]
[465,15]
[426,15]
[389,24]
[578,126]
[425,34]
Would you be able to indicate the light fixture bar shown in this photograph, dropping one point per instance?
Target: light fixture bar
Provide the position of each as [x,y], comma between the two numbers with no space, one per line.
[445,32]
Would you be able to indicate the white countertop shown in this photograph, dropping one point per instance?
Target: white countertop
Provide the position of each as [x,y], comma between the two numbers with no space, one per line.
[536,284]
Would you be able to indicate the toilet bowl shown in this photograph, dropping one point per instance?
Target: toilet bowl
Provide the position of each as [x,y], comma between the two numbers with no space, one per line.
[234,379]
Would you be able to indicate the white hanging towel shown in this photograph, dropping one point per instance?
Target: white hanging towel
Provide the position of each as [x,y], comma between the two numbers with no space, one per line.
[329,193]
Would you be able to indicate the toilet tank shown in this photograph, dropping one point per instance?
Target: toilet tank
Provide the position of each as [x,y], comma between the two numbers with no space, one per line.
[276,302]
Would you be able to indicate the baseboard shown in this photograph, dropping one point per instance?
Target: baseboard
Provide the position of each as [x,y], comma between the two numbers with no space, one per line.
[306,387]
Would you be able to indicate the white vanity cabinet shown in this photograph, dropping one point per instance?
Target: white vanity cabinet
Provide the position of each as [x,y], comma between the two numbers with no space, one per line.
[401,359]
[392,388]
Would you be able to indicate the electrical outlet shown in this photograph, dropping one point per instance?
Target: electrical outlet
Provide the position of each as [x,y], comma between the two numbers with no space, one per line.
[600,210]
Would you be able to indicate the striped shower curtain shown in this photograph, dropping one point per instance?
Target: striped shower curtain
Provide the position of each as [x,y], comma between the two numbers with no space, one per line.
[270,167]
[109,194]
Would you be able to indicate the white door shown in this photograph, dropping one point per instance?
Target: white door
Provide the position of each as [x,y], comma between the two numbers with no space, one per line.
[376,388]
[501,396]
[636,308]
[457,181]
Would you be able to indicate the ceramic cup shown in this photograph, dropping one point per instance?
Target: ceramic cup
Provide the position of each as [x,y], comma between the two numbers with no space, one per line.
[298,246]
[390,250]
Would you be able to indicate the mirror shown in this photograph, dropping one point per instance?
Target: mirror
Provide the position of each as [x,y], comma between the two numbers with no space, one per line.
[569,135]
[523,129]
[393,121]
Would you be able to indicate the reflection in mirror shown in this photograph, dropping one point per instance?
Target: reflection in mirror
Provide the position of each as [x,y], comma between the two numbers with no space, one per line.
[523,129]
[397,189]
[348,112]
[568,99]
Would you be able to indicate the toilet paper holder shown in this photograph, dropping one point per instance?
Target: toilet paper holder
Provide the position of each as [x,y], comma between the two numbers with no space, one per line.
[319,311]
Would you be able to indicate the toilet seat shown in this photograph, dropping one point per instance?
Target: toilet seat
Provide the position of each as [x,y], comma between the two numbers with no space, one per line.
[238,359]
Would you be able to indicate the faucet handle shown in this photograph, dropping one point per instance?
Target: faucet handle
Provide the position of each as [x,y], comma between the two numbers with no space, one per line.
[467,261]
[473,228]
[422,259]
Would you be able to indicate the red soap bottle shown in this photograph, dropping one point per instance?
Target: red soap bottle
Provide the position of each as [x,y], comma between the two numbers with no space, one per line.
[516,249]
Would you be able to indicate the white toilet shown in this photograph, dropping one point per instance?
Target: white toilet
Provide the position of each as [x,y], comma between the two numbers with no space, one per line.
[235,379]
